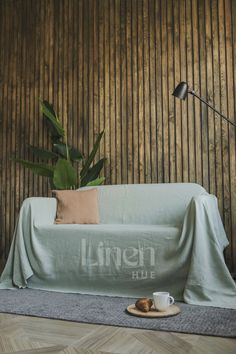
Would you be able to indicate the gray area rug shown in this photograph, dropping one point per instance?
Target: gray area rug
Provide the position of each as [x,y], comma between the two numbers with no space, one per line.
[108,310]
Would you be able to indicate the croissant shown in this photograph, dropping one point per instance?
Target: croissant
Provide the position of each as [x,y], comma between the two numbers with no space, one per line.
[144,304]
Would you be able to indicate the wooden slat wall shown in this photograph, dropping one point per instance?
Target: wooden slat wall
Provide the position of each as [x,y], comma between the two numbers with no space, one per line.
[113,64]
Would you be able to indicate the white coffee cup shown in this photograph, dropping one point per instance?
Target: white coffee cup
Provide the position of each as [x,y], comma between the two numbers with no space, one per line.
[162,300]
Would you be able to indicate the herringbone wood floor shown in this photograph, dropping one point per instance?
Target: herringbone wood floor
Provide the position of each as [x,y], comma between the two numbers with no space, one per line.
[26,335]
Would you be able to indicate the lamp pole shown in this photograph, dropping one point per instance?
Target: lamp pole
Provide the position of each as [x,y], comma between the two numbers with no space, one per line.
[213,108]
[181,92]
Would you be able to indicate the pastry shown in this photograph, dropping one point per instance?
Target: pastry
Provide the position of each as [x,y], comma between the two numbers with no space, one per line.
[144,304]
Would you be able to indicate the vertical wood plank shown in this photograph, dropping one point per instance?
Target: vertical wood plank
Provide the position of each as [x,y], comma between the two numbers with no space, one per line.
[192,105]
[2,239]
[12,133]
[152,88]
[101,72]
[209,83]
[202,173]
[95,69]
[158,93]
[165,107]
[74,118]
[85,79]
[141,116]
[112,106]
[107,86]
[170,71]
[183,105]
[225,127]
[135,107]
[70,75]
[178,131]
[80,19]
[129,114]
[232,46]
[4,62]
[146,92]
[90,76]
[196,84]
[123,90]
[118,91]
[216,79]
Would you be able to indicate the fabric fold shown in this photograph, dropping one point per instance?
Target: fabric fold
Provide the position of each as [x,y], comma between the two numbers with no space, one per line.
[203,238]
[18,268]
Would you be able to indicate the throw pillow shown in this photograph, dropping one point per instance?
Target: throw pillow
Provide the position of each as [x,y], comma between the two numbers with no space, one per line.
[77,207]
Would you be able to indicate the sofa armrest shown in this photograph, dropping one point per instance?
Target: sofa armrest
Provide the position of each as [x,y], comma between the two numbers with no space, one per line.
[41,210]
[211,216]
[20,266]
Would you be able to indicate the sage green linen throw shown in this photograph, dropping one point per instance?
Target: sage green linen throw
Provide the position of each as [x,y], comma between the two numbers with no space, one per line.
[114,258]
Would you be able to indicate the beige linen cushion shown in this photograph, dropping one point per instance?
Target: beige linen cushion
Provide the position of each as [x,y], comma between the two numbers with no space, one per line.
[77,207]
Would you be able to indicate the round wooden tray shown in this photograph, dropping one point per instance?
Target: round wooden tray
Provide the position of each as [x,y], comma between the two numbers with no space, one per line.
[171,311]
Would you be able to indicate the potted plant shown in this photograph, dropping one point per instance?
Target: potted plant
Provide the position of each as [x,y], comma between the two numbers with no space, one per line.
[64,166]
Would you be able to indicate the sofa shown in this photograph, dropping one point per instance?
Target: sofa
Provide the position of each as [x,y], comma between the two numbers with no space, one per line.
[151,237]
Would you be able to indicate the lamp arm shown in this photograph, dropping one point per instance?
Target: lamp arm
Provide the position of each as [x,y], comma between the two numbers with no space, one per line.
[209,105]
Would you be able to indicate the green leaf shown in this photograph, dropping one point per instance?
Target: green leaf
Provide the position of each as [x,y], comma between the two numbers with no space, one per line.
[42,153]
[93,172]
[49,108]
[74,154]
[60,148]
[91,156]
[96,182]
[64,175]
[37,168]
[55,137]
[50,114]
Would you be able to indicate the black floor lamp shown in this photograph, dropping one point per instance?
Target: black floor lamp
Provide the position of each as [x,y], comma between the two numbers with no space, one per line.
[181,91]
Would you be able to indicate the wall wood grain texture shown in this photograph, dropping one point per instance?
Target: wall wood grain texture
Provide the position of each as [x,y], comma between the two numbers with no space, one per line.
[113,64]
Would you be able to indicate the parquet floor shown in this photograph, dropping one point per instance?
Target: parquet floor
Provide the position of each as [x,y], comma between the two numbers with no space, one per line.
[28,335]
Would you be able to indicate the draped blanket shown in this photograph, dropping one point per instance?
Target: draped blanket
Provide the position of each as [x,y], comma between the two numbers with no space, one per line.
[123,259]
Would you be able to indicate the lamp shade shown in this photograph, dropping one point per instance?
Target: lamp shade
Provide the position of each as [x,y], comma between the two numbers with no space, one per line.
[181,90]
